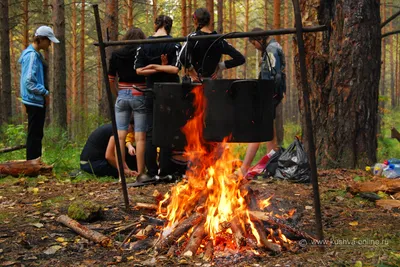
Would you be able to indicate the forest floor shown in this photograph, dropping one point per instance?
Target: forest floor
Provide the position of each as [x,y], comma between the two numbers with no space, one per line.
[363,234]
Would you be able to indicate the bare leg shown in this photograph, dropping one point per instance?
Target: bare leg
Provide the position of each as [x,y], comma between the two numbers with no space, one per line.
[121,137]
[248,158]
[273,144]
[140,138]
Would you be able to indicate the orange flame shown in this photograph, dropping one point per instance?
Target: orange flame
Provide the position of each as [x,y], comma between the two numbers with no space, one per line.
[209,180]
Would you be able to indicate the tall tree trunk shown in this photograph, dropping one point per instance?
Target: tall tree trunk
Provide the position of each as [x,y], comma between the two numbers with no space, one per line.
[277,17]
[100,80]
[15,79]
[184,18]
[266,14]
[210,7]
[154,10]
[83,103]
[74,72]
[383,72]
[288,99]
[279,108]
[220,16]
[130,13]
[343,72]
[111,23]
[59,90]
[6,110]
[189,16]
[396,97]
[25,27]
[392,73]
[230,23]
[246,29]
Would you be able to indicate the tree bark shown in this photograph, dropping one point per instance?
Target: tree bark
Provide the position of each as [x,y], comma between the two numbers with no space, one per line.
[383,72]
[110,24]
[32,167]
[220,16]
[74,72]
[59,90]
[83,102]
[25,29]
[6,109]
[210,7]
[184,18]
[266,3]
[15,79]
[154,10]
[392,73]
[246,29]
[344,67]
[279,109]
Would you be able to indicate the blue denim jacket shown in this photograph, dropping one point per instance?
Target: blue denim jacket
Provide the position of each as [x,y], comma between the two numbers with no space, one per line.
[32,78]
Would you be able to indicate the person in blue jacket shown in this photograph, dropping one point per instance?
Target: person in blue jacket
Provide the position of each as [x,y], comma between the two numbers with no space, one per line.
[34,89]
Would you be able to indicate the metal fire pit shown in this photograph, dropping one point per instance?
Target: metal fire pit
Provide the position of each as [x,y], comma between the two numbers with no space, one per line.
[241,109]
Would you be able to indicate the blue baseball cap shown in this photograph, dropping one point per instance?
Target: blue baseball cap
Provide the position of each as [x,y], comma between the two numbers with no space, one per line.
[46,31]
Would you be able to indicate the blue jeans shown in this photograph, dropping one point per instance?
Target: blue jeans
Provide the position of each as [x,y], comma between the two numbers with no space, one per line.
[127,104]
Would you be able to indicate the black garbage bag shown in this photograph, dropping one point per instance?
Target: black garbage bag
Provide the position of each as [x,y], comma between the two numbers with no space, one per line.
[293,164]
[272,164]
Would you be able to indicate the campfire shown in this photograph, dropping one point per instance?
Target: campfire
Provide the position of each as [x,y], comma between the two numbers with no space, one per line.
[214,210]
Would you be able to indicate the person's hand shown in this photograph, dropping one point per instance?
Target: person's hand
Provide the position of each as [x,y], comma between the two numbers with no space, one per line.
[164,59]
[130,173]
[218,71]
[149,67]
[193,75]
[131,150]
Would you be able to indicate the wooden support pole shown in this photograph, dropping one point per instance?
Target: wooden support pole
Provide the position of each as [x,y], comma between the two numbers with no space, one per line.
[307,118]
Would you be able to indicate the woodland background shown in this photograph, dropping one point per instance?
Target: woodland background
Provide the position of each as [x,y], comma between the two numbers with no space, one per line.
[78,99]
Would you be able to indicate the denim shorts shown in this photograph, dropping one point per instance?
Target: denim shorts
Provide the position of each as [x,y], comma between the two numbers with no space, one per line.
[127,104]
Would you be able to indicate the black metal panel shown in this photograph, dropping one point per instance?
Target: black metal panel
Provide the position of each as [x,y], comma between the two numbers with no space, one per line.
[240,108]
[243,108]
[171,109]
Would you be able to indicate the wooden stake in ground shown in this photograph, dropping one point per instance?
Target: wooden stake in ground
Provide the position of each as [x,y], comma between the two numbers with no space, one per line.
[94,236]
[32,167]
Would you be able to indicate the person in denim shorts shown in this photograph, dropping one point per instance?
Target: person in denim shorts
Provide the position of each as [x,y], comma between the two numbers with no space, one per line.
[129,99]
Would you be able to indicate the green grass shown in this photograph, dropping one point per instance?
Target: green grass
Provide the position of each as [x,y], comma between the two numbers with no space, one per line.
[60,150]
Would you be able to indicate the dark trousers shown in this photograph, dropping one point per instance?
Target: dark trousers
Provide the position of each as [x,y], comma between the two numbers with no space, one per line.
[36,118]
[101,167]
[166,166]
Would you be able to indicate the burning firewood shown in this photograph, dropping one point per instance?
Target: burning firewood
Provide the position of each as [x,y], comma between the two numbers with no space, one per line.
[208,253]
[94,236]
[195,240]
[32,167]
[275,224]
[182,228]
[238,232]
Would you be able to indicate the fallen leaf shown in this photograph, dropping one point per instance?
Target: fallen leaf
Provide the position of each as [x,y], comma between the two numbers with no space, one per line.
[44,237]
[52,250]
[35,190]
[130,258]
[118,222]
[37,225]
[355,223]
[91,193]
[72,198]
[64,244]
[38,204]
[60,239]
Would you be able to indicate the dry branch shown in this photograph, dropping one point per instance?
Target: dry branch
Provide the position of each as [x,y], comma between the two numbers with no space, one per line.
[388,203]
[384,185]
[146,206]
[94,236]
[32,167]
[182,228]
[274,223]
[9,149]
[264,238]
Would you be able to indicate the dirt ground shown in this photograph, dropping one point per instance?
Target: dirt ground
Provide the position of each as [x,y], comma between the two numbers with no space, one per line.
[362,234]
